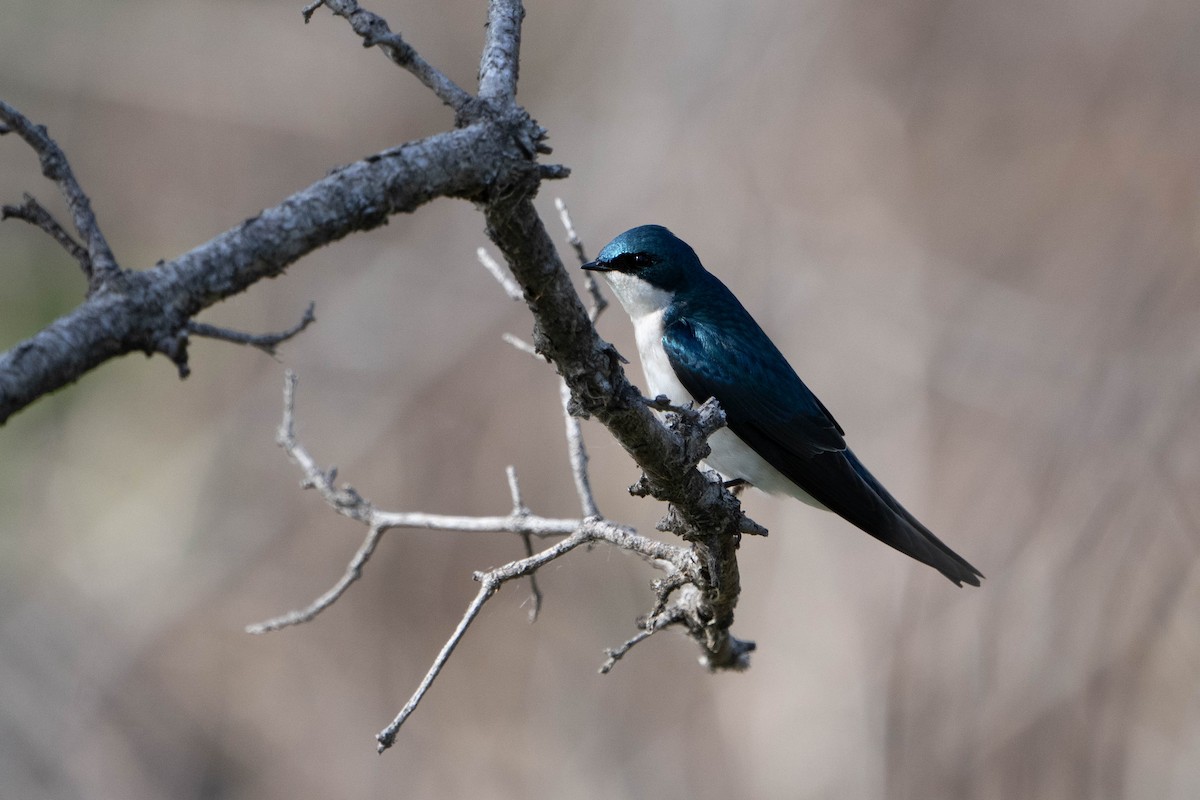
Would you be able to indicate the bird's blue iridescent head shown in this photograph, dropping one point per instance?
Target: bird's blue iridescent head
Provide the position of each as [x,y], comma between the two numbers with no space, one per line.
[650,253]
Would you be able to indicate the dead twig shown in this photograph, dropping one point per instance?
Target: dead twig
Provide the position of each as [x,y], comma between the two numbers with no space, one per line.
[267,342]
[56,167]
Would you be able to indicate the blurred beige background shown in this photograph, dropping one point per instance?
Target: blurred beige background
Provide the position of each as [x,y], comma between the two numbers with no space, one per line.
[973,226]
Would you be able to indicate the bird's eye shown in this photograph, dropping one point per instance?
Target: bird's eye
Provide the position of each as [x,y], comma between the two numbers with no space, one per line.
[633,262]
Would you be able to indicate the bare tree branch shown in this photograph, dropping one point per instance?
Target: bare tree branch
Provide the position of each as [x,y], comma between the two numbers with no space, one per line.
[521,344]
[489,157]
[599,303]
[520,509]
[510,286]
[353,572]
[375,32]
[577,452]
[501,52]
[564,216]
[651,626]
[35,214]
[387,737]
[592,530]
[690,571]
[348,502]
[267,342]
[56,167]
[147,310]
[679,562]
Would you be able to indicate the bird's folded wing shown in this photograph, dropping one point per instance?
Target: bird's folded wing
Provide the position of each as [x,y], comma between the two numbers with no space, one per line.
[774,413]
[753,383]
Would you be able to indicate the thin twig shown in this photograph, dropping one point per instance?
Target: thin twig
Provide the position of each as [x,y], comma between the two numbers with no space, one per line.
[348,502]
[514,490]
[353,572]
[35,214]
[577,452]
[513,291]
[56,167]
[520,509]
[599,303]
[533,524]
[521,344]
[663,588]
[564,216]
[489,582]
[387,736]
[535,591]
[375,32]
[575,447]
[267,342]
[510,287]
[675,560]
[502,276]
[671,616]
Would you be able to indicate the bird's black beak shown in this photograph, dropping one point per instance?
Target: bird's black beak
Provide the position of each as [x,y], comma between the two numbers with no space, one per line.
[597,266]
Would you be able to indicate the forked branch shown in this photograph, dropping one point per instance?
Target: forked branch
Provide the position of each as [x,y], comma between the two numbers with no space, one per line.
[375,32]
[678,562]
[101,263]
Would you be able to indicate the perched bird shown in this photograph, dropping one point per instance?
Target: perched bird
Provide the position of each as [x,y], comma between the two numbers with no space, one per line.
[696,341]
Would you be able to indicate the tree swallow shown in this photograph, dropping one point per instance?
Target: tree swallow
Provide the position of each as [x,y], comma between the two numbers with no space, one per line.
[696,341]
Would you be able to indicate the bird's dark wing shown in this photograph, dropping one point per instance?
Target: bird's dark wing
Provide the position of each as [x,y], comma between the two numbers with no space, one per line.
[906,533]
[752,381]
[771,410]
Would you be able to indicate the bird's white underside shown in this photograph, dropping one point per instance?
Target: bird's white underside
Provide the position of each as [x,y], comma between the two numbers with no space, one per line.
[730,456]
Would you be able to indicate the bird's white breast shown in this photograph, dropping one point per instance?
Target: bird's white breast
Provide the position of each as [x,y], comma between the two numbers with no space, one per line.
[730,456]
[646,305]
[660,375]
